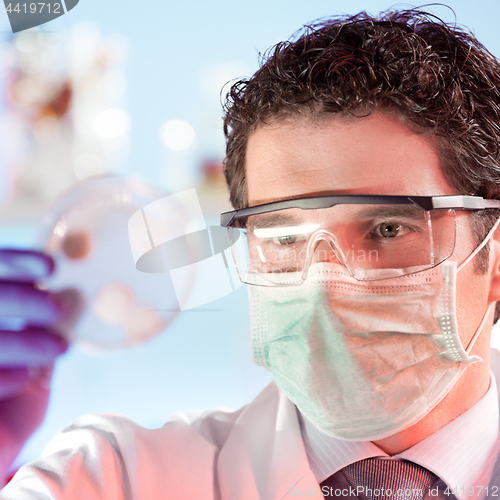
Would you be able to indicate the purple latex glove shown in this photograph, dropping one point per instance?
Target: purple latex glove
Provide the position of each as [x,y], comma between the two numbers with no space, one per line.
[29,344]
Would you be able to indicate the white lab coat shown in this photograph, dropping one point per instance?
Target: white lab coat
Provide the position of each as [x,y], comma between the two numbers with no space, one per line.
[254,453]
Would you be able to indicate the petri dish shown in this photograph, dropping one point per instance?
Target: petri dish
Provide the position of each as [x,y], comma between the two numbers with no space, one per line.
[107,236]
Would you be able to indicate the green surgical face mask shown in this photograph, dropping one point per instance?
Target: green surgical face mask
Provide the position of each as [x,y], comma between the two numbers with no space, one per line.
[361,360]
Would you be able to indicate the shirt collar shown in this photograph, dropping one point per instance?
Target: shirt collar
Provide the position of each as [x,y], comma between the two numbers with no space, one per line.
[460,453]
[327,455]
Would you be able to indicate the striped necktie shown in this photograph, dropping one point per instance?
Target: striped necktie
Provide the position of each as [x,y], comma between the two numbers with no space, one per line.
[382,478]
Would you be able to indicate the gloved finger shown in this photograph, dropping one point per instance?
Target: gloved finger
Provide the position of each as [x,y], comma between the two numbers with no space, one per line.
[73,305]
[13,381]
[32,347]
[40,377]
[23,303]
[24,265]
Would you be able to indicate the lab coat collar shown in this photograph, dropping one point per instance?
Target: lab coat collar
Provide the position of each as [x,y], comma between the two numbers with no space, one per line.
[264,456]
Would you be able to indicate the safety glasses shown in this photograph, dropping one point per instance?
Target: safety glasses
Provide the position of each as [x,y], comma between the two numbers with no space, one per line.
[374,236]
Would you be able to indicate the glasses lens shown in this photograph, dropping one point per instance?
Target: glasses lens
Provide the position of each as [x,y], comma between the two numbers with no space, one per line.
[388,241]
[371,241]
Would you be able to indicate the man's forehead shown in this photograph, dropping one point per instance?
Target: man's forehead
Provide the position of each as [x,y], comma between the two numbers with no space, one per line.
[341,155]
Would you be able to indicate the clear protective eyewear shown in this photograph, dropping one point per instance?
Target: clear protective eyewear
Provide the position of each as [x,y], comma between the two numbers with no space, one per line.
[374,236]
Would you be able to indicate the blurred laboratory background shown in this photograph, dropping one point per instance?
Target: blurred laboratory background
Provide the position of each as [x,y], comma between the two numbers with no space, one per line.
[134,89]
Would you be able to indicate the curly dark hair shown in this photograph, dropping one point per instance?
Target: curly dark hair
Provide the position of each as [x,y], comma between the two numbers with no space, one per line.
[437,78]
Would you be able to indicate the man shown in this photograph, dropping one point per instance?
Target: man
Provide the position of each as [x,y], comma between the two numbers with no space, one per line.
[348,154]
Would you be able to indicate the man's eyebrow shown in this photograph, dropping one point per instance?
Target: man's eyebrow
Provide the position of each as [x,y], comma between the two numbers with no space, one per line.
[272,219]
[287,217]
[410,211]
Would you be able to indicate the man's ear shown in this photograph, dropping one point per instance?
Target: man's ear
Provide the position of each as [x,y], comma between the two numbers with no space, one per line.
[494,269]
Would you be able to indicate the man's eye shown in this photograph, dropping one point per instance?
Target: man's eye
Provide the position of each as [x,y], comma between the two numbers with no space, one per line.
[388,229]
[287,240]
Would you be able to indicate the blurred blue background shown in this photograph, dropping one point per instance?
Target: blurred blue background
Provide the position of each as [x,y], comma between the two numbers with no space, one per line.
[155,62]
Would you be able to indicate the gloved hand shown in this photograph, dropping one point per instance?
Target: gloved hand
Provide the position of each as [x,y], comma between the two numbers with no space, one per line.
[29,344]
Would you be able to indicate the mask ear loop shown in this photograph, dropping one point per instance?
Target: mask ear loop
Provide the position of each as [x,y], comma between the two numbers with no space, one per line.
[479,329]
[480,247]
[461,266]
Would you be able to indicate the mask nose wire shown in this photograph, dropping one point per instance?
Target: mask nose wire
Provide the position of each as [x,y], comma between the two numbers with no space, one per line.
[312,248]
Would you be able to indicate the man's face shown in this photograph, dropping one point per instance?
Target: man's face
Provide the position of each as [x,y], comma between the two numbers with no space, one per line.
[373,155]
